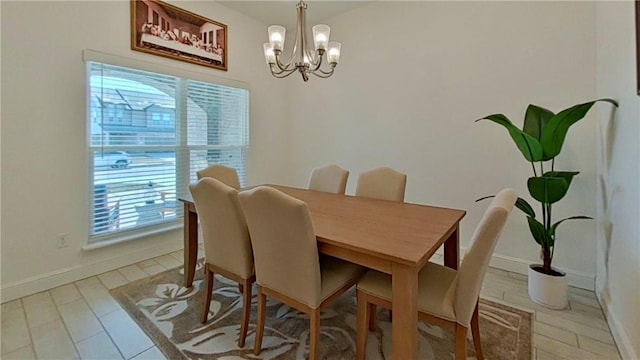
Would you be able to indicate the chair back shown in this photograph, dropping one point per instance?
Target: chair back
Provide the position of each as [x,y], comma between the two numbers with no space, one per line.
[226,238]
[284,244]
[474,265]
[227,175]
[330,179]
[382,183]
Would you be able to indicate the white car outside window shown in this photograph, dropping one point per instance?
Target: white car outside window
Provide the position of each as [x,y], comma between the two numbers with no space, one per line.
[113,159]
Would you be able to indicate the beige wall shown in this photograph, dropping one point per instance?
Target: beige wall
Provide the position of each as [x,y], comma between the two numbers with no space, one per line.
[618,271]
[44,172]
[415,75]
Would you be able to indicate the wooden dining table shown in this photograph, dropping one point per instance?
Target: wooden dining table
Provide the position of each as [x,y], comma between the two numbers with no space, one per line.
[391,237]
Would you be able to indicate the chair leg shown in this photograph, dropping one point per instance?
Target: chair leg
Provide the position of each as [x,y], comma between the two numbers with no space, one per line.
[461,342]
[207,301]
[246,311]
[363,324]
[475,332]
[372,317]
[314,334]
[262,309]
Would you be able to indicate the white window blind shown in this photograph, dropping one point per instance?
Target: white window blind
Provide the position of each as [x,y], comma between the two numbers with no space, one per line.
[148,135]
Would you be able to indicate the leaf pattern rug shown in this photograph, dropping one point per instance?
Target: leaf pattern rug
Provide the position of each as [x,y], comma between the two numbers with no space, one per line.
[170,315]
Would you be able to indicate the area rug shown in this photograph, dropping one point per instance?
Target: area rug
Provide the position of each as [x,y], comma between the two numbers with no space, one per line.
[170,315]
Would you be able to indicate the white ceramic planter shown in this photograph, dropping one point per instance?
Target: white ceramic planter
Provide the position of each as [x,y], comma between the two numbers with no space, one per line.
[548,290]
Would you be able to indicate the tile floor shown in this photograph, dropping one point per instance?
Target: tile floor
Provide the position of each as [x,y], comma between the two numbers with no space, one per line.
[81,320]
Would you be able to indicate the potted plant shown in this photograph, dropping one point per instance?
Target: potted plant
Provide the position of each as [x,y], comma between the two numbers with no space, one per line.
[540,141]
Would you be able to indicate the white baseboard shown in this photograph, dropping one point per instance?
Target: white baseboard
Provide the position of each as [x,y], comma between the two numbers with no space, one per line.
[623,342]
[68,275]
[521,266]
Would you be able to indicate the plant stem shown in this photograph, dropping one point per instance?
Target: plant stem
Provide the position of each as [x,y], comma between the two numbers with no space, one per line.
[552,239]
[546,261]
[544,222]
[544,209]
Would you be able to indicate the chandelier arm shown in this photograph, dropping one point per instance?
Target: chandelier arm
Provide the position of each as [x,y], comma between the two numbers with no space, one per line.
[283,68]
[283,74]
[286,65]
[323,74]
[275,71]
[317,65]
[313,58]
[330,72]
[280,65]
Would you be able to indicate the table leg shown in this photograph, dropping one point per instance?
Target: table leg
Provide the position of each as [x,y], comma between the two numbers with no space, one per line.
[190,245]
[404,331]
[452,249]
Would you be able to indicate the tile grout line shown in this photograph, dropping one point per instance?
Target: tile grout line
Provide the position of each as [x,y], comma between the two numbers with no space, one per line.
[111,312]
[65,325]
[98,318]
[24,313]
[596,356]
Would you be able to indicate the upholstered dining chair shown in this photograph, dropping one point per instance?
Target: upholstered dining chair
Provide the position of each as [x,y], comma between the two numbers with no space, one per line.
[288,267]
[382,183]
[227,175]
[445,296]
[227,246]
[330,178]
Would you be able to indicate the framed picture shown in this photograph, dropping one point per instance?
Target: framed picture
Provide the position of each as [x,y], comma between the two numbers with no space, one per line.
[163,29]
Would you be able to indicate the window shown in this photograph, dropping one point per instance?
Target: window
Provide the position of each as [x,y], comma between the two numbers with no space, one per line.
[148,135]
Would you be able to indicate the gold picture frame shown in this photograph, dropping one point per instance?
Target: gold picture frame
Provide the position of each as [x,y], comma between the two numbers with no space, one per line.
[165,30]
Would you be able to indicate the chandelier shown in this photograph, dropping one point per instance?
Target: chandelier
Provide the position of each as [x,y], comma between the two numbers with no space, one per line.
[304,60]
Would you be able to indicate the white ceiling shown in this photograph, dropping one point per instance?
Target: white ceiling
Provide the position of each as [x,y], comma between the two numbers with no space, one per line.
[284,12]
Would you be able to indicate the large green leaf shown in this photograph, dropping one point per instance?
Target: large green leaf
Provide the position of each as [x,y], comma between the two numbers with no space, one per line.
[552,231]
[528,145]
[547,190]
[524,206]
[538,231]
[556,129]
[567,175]
[535,119]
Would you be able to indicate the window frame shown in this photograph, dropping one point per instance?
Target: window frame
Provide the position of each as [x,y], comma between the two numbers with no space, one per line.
[182,148]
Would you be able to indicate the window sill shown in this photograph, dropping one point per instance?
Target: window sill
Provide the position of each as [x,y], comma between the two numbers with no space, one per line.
[110,240]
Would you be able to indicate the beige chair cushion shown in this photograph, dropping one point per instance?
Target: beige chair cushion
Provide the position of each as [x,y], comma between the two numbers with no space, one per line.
[382,183]
[284,244]
[227,175]
[435,286]
[330,178]
[226,238]
[335,274]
